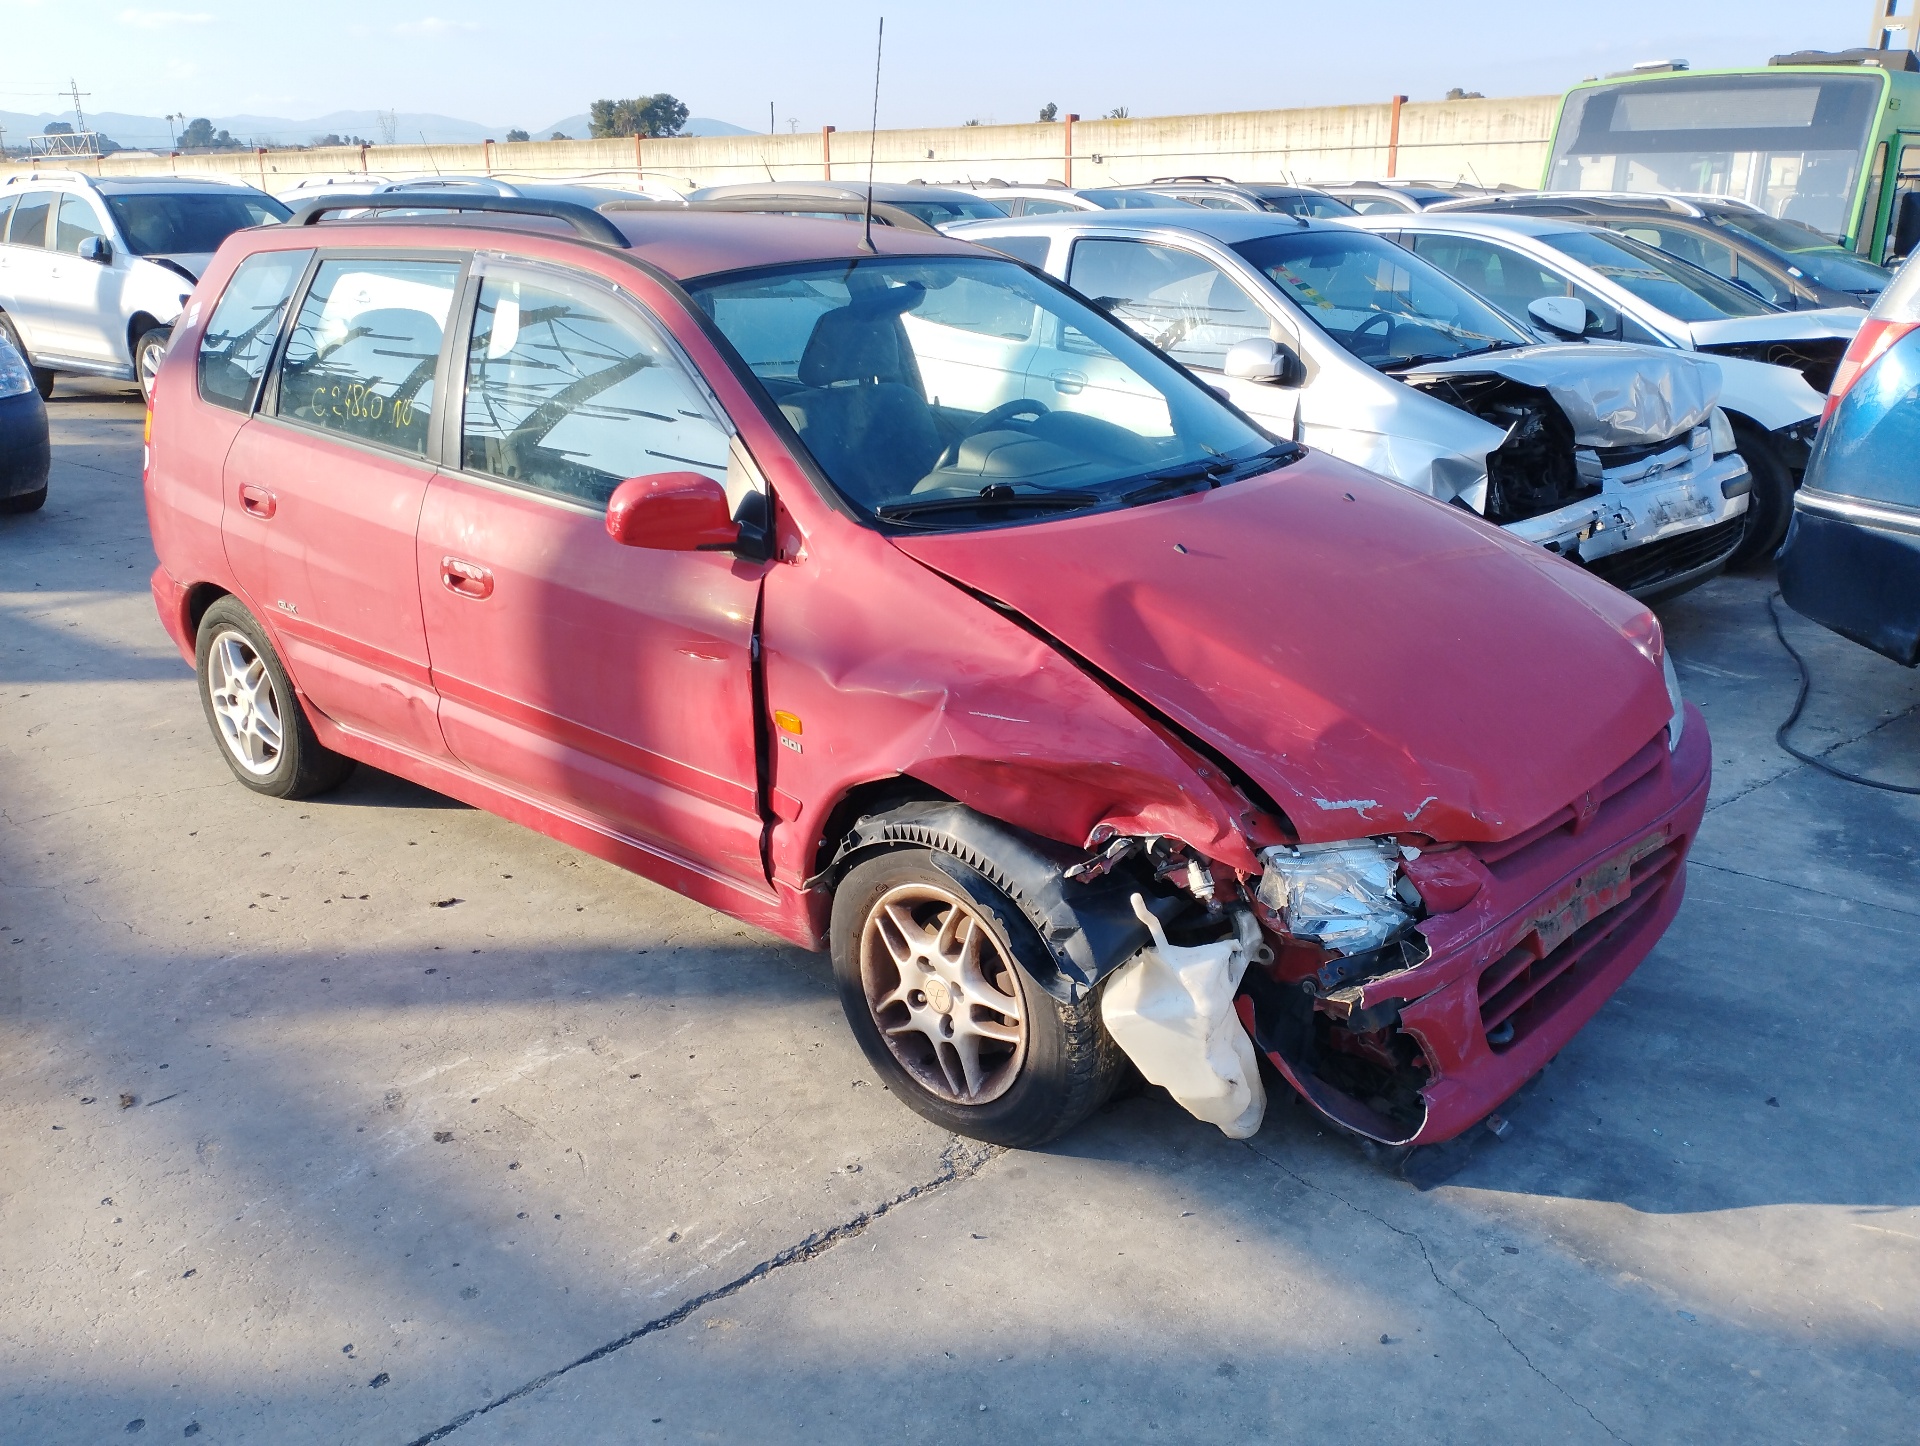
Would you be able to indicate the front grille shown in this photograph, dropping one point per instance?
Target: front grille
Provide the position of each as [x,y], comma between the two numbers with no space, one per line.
[1816,358]
[1599,808]
[1530,982]
[1613,458]
[1638,569]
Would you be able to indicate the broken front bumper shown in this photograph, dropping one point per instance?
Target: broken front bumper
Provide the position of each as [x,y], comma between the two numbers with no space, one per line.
[1651,501]
[1541,930]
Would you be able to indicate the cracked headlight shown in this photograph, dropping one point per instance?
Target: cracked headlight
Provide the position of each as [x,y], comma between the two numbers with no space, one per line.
[15,377]
[1679,719]
[1346,897]
[1722,429]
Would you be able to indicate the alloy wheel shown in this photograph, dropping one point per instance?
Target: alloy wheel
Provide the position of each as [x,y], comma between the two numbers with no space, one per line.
[947,1000]
[245,705]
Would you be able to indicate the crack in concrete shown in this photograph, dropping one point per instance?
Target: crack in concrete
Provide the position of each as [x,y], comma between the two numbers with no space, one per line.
[960,1160]
[1438,1280]
[1797,766]
[1807,889]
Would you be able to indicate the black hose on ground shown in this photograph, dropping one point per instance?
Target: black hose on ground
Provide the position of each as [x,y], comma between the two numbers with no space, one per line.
[1806,682]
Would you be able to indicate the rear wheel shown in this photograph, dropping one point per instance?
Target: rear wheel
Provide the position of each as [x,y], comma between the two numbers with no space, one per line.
[250,705]
[24,502]
[1770,503]
[42,378]
[930,967]
[149,350]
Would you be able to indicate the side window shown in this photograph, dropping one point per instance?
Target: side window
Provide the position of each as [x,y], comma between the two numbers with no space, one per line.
[28,226]
[6,211]
[238,341]
[1030,249]
[1036,206]
[971,304]
[571,392]
[361,357]
[1182,303]
[77,222]
[1511,280]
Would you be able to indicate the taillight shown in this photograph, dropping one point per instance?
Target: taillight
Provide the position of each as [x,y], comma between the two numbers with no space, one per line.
[1869,344]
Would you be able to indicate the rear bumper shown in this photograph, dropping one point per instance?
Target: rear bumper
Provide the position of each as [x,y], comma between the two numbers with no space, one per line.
[1854,567]
[1560,918]
[25,449]
[170,601]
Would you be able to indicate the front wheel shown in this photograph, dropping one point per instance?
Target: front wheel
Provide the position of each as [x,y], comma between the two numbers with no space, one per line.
[1770,503]
[929,964]
[149,350]
[250,705]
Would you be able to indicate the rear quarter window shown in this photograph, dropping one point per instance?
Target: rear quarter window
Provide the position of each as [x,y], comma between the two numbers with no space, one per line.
[239,340]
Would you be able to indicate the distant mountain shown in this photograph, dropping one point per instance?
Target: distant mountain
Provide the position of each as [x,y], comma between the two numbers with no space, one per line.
[151,132]
[574,127]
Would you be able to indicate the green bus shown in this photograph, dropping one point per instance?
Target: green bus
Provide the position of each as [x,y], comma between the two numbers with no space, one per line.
[1830,140]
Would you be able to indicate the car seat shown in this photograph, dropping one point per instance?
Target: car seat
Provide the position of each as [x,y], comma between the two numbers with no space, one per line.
[863,413]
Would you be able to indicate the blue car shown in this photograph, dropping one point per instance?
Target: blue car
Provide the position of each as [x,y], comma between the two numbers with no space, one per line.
[1851,561]
[24,450]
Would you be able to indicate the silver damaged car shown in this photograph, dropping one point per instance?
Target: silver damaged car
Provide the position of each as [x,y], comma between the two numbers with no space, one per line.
[1614,456]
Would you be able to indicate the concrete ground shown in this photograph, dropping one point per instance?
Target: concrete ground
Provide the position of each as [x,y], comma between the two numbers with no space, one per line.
[378,1119]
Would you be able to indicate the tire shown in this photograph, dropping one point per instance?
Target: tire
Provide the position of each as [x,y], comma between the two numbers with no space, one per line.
[899,912]
[1769,504]
[258,723]
[42,378]
[23,502]
[149,350]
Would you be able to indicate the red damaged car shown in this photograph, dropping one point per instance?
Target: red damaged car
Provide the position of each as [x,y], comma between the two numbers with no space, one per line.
[888,596]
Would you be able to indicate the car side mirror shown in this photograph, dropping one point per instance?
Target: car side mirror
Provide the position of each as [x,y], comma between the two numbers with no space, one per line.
[1906,224]
[672,512]
[1562,315]
[1258,359]
[97,249]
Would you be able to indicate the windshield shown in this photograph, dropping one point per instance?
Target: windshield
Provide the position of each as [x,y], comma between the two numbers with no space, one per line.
[1790,143]
[966,392]
[181,224]
[1826,263]
[1303,203]
[1378,300]
[1117,200]
[938,213]
[1666,283]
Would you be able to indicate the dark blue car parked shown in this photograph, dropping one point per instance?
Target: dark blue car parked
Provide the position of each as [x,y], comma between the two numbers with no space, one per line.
[23,433]
[1851,560]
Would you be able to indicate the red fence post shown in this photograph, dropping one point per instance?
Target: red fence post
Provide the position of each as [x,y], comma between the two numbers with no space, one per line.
[1393,138]
[826,153]
[1069,129]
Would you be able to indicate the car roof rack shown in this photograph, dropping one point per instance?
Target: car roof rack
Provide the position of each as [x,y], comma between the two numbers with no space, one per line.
[819,207]
[1193,180]
[587,223]
[56,173]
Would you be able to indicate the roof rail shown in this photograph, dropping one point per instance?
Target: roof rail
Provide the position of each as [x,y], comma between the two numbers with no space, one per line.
[57,173]
[587,223]
[1191,180]
[819,207]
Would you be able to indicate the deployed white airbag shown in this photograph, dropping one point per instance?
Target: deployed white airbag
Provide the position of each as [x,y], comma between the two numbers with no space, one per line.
[1171,1010]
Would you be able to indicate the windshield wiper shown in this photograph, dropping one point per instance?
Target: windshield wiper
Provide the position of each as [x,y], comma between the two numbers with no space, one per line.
[1396,363]
[988,499]
[1212,472]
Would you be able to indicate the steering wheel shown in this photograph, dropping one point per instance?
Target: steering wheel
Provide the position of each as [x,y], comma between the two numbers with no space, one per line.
[1005,412]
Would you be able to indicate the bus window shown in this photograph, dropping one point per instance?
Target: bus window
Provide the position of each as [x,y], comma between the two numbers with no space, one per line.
[1792,142]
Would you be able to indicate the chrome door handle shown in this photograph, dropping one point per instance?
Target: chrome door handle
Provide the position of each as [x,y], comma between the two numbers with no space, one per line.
[1069,383]
[468,579]
[257,501]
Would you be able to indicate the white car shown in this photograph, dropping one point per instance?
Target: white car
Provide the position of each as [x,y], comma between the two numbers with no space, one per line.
[94,272]
[1775,365]
[1613,457]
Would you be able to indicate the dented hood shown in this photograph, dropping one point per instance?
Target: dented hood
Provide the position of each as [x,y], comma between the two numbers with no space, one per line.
[1830,322]
[1615,394]
[1377,661]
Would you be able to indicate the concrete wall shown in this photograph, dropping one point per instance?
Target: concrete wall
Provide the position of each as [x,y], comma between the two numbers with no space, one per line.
[1486,140]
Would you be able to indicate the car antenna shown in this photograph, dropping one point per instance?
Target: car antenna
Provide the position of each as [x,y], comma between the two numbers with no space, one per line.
[873,131]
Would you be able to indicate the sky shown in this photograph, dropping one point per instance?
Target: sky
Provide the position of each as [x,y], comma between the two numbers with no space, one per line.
[945,62]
